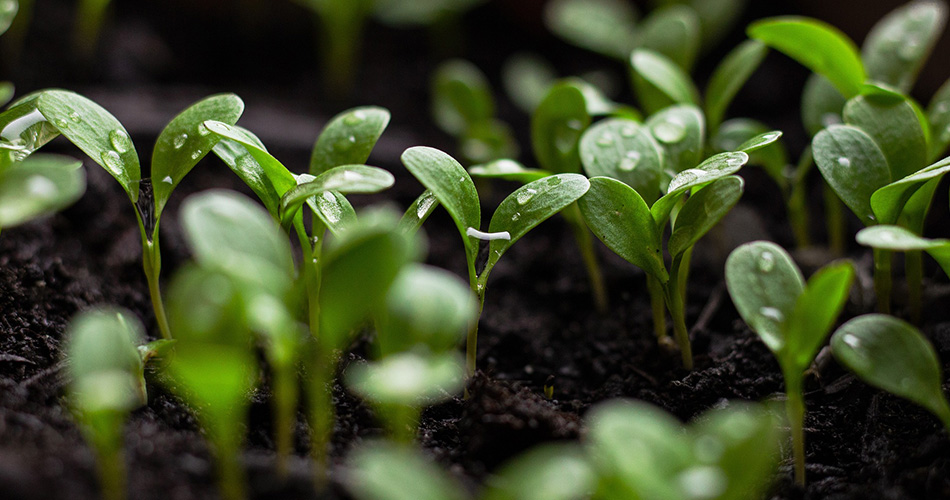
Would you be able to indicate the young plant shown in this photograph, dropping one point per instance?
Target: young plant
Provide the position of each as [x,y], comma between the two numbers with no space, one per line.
[106,382]
[896,238]
[892,355]
[791,317]
[517,214]
[37,186]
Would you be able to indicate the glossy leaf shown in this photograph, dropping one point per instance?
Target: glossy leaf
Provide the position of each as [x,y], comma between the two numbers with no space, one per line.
[531,205]
[334,210]
[713,168]
[348,138]
[672,31]
[765,285]
[815,313]
[620,218]
[23,130]
[185,141]
[385,471]
[509,170]
[452,187]
[938,117]
[681,131]
[659,82]
[417,213]
[898,238]
[761,144]
[889,201]
[818,46]
[822,104]
[624,150]
[892,355]
[344,179]
[730,75]
[894,126]
[38,186]
[898,45]
[96,132]
[853,165]
[607,27]
[702,211]
[461,97]
[558,471]
[408,379]
[556,128]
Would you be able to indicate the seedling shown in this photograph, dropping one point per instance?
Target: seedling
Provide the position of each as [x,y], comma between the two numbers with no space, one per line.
[106,383]
[517,214]
[386,471]
[37,186]
[791,317]
[896,238]
[892,355]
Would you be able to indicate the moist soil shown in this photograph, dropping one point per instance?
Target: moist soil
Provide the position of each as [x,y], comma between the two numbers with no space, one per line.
[538,323]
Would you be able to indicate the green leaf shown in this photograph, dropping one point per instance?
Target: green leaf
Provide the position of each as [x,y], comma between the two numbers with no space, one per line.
[408,379]
[231,234]
[461,96]
[714,167]
[7,14]
[892,355]
[761,144]
[417,213]
[765,285]
[624,150]
[815,312]
[620,218]
[552,471]
[23,130]
[730,75]
[894,126]
[681,130]
[853,165]
[659,82]
[185,141]
[37,186]
[888,202]
[702,211]
[938,117]
[333,209]
[103,362]
[425,306]
[531,205]
[348,138]
[509,170]
[672,31]
[244,154]
[526,78]
[822,104]
[386,471]
[7,91]
[898,238]
[607,27]
[818,46]
[345,179]
[556,128]
[898,45]
[96,132]
[205,307]
[452,187]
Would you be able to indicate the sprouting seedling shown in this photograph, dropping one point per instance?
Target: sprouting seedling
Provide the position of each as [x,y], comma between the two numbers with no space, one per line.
[37,186]
[232,235]
[621,218]
[106,383]
[37,118]
[791,317]
[640,451]
[892,355]
[517,214]
[214,367]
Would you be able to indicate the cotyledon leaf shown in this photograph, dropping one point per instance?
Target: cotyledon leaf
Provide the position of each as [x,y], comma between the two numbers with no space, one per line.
[702,211]
[853,165]
[604,26]
[898,45]
[821,104]
[417,213]
[889,237]
[344,178]
[672,31]
[894,125]
[461,96]
[888,201]
[731,74]
[556,128]
[624,150]
[681,131]
[938,116]
[96,132]
[349,138]
[714,167]
[509,170]
[815,313]
[659,82]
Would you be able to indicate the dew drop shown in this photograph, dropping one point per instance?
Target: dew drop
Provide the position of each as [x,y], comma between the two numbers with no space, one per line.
[40,187]
[120,141]
[910,50]
[195,155]
[630,161]
[605,140]
[354,118]
[203,130]
[351,176]
[772,314]
[552,180]
[112,160]
[61,123]
[74,116]
[516,216]
[844,162]
[425,204]
[574,124]
[669,131]
[168,180]
[766,262]
[179,141]
[525,196]
[628,131]
[330,208]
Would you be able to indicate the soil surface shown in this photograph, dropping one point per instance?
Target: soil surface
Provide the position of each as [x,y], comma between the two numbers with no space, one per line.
[538,320]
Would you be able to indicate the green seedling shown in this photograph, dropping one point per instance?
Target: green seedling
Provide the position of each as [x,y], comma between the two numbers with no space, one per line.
[517,214]
[892,355]
[896,238]
[106,383]
[37,118]
[621,218]
[213,368]
[387,471]
[791,317]
[38,186]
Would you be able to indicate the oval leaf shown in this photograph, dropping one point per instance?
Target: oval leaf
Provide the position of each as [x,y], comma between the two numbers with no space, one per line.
[731,74]
[349,138]
[681,131]
[898,238]
[509,170]
[556,128]
[659,82]
[624,150]
[702,211]
[853,165]
[461,97]
[408,379]
[815,312]
[894,126]
[672,31]
[607,27]
[714,167]
[345,179]
[897,46]
[417,213]
[889,201]
[37,186]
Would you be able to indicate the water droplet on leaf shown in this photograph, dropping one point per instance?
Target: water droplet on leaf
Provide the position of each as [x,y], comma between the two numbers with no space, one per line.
[844,162]
[605,140]
[630,161]
[766,262]
[669,131]
[112,160]
[525,196]
[202,130]
[179,141]
[40,187]
[772,314]
[628,131]
[120,141]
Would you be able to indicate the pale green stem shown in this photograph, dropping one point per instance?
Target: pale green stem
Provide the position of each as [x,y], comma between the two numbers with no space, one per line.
[674,302]
[658,305]
[89,24]
[322,413]
[914,274]
[228,449]
[586,246]
[797,201]
[285,405]
[835,219]
[795,411]
[471,341]
[882,280]
[152,264]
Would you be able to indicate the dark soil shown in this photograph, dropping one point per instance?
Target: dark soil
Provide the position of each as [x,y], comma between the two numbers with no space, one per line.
[538,320]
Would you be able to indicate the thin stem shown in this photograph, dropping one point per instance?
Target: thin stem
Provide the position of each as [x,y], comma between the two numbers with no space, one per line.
[834,217]
[586,246]
[658,305]
[882,280]
[914,274]
[322,413]
[152,264]
[674,302]
[471,341]
[285,406]
[230,474]
[797,201]
[795,412]
[104,431]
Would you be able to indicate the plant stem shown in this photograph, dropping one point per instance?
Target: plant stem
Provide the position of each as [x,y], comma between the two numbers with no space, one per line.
[471,341]
[586,246]
[230,475]
[882,280]
[795,412]
[914,274]
[674,302]
[104,431]
[658,304]
[152,264]
[322,413]
[285,406]
[797,201]
[834,215]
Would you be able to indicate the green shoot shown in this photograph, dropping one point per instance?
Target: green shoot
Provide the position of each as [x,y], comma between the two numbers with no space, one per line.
[894,356]
[791,317]
[386,471]
[37,186]
[106,383]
